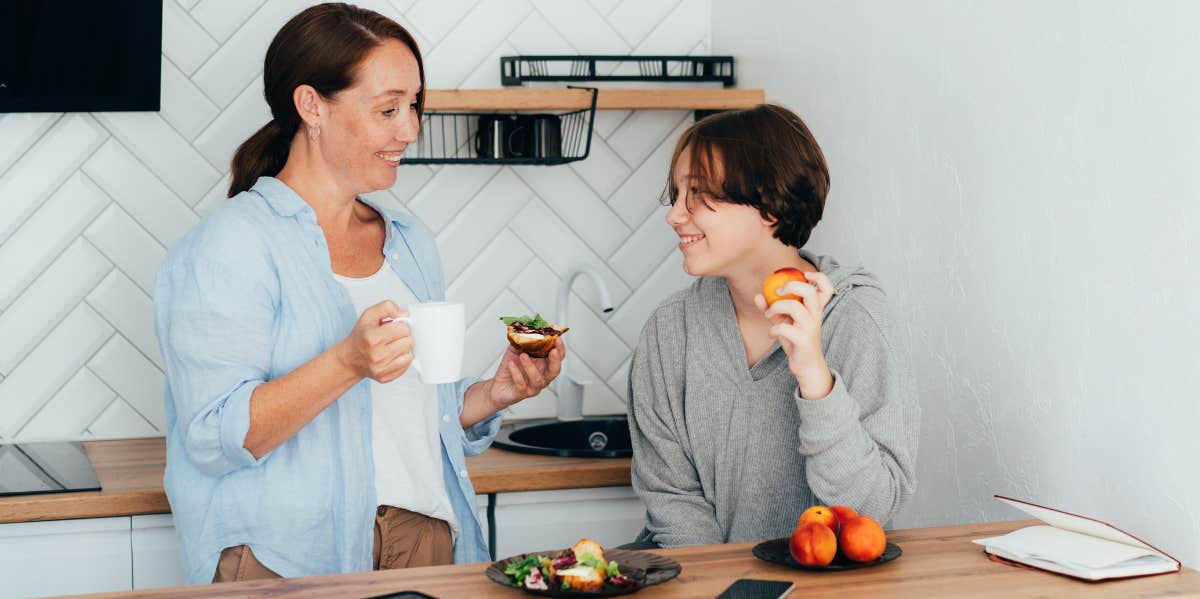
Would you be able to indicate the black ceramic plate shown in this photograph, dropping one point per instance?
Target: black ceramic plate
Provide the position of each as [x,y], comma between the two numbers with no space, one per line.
[776,552]
[643,567]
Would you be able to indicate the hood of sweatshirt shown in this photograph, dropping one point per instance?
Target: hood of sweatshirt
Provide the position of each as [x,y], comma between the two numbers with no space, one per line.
[844,277]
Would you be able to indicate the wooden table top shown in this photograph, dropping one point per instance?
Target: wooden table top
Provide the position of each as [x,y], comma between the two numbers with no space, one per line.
[130,472]
[937,562]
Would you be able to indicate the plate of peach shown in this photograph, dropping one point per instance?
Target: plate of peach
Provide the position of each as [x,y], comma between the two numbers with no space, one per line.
[831,538]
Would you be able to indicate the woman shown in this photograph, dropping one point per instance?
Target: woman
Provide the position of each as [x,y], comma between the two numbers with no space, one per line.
[743,415]
[270,315]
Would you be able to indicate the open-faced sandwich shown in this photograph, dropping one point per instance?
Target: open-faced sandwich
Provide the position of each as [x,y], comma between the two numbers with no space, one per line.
[580,568]
[533,336]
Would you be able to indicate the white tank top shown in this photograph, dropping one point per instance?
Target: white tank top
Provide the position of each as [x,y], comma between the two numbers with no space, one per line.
[404,426]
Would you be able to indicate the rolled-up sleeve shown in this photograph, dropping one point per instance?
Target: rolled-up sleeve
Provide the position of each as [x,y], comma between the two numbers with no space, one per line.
[479,436]
[214,328]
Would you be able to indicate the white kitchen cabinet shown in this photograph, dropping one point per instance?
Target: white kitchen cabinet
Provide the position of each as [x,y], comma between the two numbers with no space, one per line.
[542,520]
[157,561]
[65,557]
[40,559]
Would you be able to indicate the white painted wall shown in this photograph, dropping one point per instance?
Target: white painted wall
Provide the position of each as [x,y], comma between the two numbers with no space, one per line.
[1025,177]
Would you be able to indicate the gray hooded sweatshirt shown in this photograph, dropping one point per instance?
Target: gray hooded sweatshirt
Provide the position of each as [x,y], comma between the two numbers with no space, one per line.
[723,453]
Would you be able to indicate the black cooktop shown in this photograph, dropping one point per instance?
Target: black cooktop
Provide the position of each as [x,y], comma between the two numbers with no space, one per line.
[58,467]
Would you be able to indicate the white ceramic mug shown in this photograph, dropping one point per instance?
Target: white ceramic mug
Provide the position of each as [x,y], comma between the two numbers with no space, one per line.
[438,331]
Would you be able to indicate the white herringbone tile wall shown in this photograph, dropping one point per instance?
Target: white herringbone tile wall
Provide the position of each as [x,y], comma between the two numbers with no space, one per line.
[89,203]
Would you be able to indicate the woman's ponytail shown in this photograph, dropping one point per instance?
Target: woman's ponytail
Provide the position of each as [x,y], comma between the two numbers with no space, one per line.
[263,154]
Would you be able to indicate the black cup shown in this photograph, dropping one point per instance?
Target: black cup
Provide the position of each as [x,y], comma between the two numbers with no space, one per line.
[546,137]
[536,136]
[519,136]
[492,134]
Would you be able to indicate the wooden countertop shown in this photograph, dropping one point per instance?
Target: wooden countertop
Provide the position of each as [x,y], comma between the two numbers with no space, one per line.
[131,480]
[937,562]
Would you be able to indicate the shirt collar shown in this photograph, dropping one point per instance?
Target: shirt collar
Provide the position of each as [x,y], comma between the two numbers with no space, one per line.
[280,197]
[286,202]
[400,219]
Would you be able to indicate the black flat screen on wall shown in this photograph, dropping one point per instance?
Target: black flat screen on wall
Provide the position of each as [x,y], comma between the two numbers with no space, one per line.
[80,55]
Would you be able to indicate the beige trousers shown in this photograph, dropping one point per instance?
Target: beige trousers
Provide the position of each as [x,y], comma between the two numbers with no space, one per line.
[238,563]
[403,539]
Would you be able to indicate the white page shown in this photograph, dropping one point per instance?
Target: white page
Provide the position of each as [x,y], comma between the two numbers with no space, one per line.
[1065,547]
[1067,521]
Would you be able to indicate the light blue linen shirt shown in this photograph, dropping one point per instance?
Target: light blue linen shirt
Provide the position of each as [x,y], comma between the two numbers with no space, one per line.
[247,296]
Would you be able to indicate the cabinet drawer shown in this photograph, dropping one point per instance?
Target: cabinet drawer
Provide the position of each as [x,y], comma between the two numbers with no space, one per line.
[157,559]
[541,520]
[65,557]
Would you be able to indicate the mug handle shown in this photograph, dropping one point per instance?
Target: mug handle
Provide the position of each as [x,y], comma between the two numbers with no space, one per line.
[478,144]
[409,321]
[518,129]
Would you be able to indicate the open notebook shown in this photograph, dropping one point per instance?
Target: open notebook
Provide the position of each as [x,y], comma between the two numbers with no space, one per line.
[1077,546]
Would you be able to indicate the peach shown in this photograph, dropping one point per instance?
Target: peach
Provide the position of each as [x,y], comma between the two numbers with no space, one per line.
[862,539]
[778,279]
[843,513]
[821,514]
[813,544]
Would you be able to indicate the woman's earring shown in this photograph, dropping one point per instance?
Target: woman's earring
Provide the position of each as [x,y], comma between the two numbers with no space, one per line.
[314,132]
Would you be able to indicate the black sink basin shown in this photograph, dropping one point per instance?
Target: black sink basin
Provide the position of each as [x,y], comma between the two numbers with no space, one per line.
[594,436]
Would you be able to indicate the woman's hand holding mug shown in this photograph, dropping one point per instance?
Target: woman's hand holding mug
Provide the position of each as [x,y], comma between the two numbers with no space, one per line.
[378,350]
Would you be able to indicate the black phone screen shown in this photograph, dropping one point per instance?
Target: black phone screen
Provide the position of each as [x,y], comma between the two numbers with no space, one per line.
[749,588]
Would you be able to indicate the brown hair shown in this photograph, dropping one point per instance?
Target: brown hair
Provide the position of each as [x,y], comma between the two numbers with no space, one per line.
[764,157]
[322,47]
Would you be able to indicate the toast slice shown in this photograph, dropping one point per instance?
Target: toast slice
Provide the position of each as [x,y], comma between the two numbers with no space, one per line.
[588,546]
[538,343]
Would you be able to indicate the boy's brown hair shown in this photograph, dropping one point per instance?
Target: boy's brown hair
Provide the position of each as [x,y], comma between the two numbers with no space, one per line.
[763,157]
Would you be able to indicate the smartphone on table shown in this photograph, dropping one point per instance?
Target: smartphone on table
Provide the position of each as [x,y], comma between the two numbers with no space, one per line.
[752,588]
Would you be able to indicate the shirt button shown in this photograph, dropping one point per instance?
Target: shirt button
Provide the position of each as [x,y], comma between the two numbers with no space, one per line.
[462,473]
[395,256]
[445,418]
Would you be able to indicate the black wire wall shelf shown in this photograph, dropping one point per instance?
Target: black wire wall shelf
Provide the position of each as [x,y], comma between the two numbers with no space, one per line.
[504,137]
[515,70]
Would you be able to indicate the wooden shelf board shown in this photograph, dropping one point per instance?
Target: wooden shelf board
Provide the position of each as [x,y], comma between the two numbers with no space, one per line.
[517,98]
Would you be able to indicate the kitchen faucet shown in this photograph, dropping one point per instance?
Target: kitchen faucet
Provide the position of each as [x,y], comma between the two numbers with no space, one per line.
[568,387]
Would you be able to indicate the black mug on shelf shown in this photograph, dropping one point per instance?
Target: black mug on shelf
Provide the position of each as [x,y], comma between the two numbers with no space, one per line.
[491,136]
[519,136]
[537,136]
[546,136]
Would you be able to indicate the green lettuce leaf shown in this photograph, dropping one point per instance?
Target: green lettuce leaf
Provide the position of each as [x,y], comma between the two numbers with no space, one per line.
[519,569]
[536,322]
[589,560]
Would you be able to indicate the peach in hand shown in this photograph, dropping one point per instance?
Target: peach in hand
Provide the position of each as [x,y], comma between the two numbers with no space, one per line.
[778,279]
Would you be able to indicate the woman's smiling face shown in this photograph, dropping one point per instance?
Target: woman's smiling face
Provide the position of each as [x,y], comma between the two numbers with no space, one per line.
[370,123]
[714,236]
